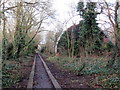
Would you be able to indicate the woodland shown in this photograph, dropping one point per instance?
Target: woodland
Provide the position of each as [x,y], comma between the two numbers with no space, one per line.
[85,49]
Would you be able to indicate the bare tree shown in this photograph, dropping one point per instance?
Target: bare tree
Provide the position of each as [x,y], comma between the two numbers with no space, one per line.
[28,17]
[115,24]
[57,34]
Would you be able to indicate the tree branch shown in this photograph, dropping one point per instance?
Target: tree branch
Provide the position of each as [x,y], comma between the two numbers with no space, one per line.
[109,16]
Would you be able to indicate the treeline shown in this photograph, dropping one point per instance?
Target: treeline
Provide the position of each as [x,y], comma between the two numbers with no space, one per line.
[21,24]
[18,44]
[74,45]
[87,38]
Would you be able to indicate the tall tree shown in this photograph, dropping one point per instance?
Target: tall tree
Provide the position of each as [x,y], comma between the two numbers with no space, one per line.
[69,41]
[4,40]
[90,34]
[116,27]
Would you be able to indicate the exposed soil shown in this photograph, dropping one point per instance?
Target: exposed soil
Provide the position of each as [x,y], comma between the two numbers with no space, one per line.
[68,79]
[24,73]
[41,79]
[65,78]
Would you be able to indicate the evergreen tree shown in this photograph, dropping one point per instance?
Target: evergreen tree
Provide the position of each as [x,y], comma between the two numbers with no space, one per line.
[90,34]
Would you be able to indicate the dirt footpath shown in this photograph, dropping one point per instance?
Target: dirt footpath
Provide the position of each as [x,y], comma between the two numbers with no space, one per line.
[68,79]
[41,79]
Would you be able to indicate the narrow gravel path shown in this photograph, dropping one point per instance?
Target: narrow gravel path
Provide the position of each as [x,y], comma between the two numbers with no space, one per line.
[41,79]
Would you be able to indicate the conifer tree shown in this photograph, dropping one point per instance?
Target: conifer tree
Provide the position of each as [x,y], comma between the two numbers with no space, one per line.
[90,34]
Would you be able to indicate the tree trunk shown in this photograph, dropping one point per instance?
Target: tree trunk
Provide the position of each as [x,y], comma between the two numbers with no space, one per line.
[4,41]
[116,50]
[68,43]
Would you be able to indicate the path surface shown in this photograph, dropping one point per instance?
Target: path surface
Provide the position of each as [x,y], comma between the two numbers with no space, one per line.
[68,79]
[41,79]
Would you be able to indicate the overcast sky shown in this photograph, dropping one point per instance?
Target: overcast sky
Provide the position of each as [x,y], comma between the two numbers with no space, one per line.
[63,9]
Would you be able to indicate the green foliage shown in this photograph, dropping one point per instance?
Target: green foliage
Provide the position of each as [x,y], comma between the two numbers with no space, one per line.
[10,51]
[8,78]
[108,46]
[8,67]
[22,44]
[113,82]
[90,69]
[12,71]
[90,34]
[69,42]
[80,7]
[86,37]
[30,49]
[4,48]
[21,38]
[71,64]
[107,81]
[105,77]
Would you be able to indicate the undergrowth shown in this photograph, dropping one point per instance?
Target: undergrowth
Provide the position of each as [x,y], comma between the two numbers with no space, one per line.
[105,77]
[10,71]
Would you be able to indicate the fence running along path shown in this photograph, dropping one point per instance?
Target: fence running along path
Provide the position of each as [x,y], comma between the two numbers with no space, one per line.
[40,76]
